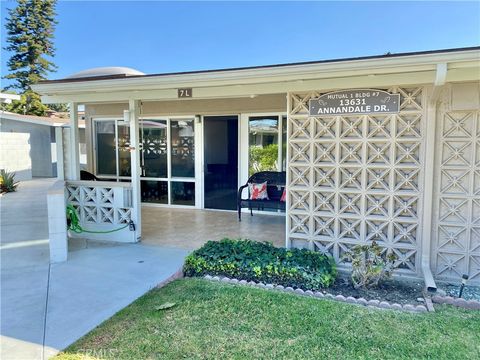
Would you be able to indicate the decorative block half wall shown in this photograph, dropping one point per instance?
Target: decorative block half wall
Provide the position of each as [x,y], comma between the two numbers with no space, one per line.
[353,179]
[357,178]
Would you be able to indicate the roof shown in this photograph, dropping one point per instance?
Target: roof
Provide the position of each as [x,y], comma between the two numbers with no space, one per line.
[115,71]
[427,67]
[40,120]
[74,78]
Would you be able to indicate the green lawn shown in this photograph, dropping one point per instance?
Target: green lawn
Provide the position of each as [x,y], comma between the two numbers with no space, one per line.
[216,320]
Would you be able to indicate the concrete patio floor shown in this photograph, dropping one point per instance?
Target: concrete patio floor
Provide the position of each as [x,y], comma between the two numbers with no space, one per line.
[44,307]
[191,228]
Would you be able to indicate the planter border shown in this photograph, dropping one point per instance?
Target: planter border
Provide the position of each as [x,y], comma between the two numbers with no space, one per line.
[377,304]
[457,302]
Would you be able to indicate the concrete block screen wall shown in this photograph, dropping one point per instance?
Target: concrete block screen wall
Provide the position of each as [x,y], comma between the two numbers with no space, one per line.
[456,230]
[358,178]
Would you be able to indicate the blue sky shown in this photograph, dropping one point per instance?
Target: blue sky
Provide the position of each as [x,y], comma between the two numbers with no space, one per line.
[157,36]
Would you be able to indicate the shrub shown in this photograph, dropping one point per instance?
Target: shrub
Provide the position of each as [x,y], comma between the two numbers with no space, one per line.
[254,261]
[263,158]
[370,265]
[7,181]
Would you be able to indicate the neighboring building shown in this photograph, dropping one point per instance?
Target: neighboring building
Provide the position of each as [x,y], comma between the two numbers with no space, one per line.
[381,147]
[28,144]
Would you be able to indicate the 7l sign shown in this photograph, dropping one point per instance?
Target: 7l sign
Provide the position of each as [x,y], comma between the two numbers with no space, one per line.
[184,93]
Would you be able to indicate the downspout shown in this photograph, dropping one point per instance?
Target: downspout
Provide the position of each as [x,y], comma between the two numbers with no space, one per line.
[441,75]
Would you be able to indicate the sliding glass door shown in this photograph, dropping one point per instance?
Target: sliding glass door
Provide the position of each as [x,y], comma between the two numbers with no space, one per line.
[220,139]
[167,157]
[154,161]
[168,161]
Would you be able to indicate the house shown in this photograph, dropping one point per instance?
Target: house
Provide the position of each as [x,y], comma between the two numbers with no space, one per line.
[29,146]
[383,148]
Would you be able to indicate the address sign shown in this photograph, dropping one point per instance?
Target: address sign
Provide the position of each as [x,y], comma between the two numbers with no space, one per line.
[361,101]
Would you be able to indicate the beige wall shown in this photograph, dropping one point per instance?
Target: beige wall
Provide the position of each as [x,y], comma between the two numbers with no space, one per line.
[263,103]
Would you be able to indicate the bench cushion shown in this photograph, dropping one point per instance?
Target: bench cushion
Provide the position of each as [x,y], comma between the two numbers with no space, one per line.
[258,191]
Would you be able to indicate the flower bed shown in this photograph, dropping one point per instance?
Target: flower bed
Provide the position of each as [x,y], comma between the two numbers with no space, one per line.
[325,295]
[254,261]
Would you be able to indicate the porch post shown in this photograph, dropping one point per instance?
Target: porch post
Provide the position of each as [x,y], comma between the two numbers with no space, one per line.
[133,107]
[74,141]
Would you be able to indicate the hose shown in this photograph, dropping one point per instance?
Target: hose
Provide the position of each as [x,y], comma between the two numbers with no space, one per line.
[73,223]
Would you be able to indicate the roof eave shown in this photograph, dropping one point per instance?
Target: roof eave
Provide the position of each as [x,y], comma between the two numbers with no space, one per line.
[384,65]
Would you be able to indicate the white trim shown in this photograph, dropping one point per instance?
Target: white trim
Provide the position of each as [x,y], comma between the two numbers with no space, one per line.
[247,117]
[59,151]
[288,242]
[199,162]
[243,144]
[134,109]
[74,143]
[385,65]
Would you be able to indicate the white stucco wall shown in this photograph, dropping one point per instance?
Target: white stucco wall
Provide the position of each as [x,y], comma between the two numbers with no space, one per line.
[15,154]
[40,140]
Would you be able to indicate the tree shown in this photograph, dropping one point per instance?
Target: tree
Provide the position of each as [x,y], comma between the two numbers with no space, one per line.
[29,103]
[30,27]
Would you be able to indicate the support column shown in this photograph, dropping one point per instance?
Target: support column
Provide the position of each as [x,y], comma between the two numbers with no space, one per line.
[59,152]
[288,242]
[134,112]
[74,143]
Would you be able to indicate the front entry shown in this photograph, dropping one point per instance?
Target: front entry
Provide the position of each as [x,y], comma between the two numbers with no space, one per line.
[220,162]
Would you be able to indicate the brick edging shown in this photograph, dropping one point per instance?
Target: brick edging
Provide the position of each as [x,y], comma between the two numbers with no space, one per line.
[350,299]
[458,302]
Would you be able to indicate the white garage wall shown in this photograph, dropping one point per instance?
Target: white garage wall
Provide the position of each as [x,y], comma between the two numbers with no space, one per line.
[15,154]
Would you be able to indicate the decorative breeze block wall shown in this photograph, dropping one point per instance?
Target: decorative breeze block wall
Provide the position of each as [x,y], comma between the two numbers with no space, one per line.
[102,207]
[457,215]
[96,204]
[354,179]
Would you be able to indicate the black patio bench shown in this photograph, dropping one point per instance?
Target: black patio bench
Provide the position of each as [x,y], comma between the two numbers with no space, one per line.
[85,175]
[275,186]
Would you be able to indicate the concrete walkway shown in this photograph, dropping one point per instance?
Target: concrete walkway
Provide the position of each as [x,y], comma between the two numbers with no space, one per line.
[45,308]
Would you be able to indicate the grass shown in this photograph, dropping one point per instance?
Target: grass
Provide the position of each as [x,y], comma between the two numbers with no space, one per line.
[215,320]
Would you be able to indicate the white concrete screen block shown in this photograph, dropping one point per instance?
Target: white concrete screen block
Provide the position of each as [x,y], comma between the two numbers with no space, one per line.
[57,222]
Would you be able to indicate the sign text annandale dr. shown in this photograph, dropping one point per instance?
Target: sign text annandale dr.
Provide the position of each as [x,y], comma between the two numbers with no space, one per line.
[361,101]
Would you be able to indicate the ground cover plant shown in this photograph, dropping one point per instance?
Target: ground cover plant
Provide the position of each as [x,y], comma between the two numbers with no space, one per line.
[370,265]
[213,320]
[7,181]
[263,262]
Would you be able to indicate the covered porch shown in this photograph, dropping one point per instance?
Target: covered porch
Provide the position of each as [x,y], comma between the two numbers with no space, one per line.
[191,228]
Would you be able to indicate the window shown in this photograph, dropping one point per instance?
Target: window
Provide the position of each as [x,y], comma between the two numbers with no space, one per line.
[182,148]
[167,157]
[266,152]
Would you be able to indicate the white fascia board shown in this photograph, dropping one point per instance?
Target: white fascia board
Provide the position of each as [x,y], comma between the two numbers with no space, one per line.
[393,65]
[232,91]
